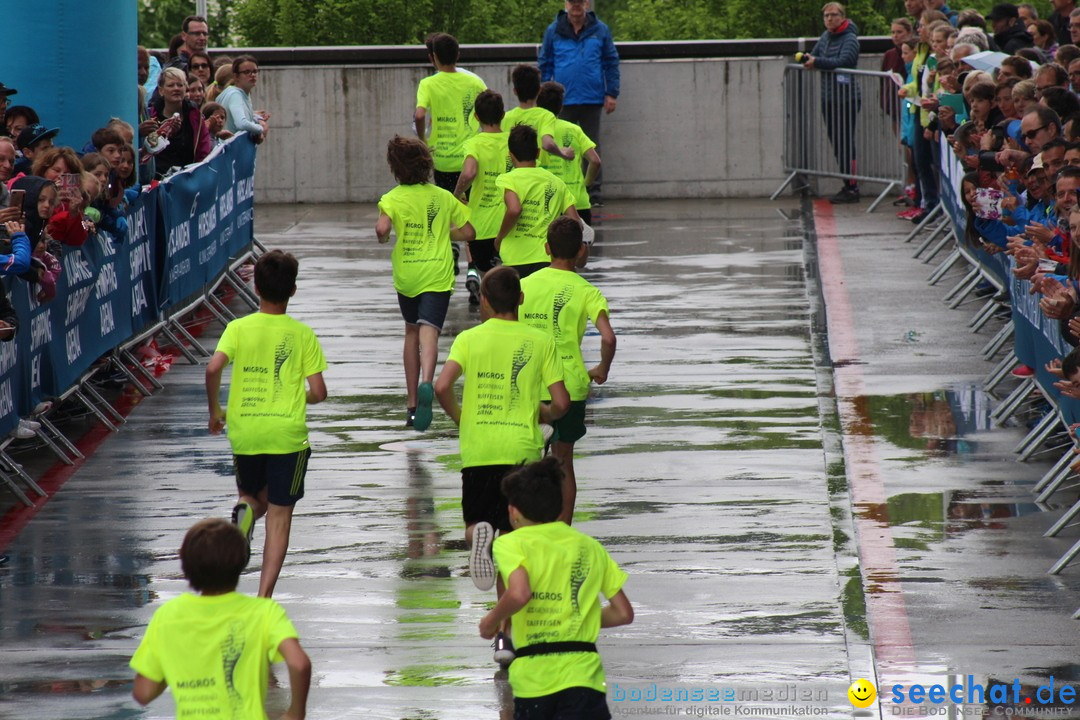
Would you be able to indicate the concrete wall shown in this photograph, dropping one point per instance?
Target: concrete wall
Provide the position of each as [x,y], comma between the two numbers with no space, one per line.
[683,128]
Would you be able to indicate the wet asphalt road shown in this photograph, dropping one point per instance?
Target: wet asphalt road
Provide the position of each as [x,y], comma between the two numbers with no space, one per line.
[702,473]
[707,473]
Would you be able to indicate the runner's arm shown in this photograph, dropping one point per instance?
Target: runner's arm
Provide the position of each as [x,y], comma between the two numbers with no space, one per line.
[468,173]
[444,390]
[608,342]
[510,217]
[214,369]
[316,392]
[147,690]
[517,595]
[299,677]
[465,233]
[560,403]
[383,226]
[548,143]
[593,159]
[420,122]
[617,612]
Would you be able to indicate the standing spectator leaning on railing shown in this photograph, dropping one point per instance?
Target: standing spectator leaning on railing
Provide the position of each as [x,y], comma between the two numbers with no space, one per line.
[236,99]
[838,47]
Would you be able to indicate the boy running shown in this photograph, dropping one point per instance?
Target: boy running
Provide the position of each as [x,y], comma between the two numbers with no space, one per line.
[214,649]
[506,366]
[559,302]
[272,355]
[554,576]
[572,136]
[534,197]
[526,82]
[486,158]
[426,219]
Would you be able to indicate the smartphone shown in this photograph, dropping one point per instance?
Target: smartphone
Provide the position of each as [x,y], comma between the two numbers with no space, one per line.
[16,198]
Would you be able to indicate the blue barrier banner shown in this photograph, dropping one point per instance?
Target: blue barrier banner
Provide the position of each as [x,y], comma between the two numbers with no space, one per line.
[181,236]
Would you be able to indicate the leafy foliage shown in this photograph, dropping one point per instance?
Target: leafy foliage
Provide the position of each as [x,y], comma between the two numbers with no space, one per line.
[160,20]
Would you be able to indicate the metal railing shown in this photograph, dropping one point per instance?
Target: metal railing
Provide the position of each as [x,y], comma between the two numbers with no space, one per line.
[842,124]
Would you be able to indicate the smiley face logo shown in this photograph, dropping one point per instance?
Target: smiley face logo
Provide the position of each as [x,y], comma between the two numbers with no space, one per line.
[862,693]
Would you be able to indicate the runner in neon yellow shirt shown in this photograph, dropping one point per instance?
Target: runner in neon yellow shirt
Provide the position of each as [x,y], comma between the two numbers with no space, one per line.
[449,94]
[554,576]
[214,649]
[569,135]
[506,366]
[534,197]
[560,302]
[426,219]
[526,82]
[486,158]
[272,356]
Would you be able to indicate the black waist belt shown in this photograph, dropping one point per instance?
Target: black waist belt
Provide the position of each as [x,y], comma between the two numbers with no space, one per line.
[551,648]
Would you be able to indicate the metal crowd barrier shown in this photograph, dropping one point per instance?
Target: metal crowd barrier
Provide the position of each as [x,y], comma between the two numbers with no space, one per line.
[842,124]
[1035,341]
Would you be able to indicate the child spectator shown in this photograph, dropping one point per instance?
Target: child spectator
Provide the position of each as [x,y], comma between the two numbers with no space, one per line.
[1023,96]
[214,648]
[214,115]
[534,197]
[38,205]
[426,219]
[272,356]
[196,91]
[526,82]
[486,158]
[554,577]
[33,139]
[61,166]
[560,302]
[125,166]
[505,365]
[222,79]
[568,134]
[108,141]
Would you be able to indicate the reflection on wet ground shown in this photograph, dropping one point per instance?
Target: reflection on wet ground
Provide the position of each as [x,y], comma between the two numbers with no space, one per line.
[702,472]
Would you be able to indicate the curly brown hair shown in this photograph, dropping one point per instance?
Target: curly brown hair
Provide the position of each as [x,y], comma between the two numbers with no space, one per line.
[409,160]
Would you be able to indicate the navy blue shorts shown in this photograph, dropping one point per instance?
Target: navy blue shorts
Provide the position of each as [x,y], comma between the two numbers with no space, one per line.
[576,703]
[482,499]
[427,308]
[281,475]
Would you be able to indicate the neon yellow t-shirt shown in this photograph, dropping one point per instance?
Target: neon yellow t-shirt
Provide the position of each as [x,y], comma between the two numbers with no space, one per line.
[568,570]
[567,134]
[543,197]
[450,97]
[214,651]
[539,119]
[271,355]
[559,302]
[506,366]
[422,258]
[486,206]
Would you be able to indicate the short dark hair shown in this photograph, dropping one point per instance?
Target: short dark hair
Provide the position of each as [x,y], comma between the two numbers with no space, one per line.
[526,81]
[536,490]
[200,54]
[551,97]
[501,287]
[1046,115]
[1058,142]
[409,160]
[564,237]
[213,555]
[24,111]
[444,47]
[209,109]
[981,91]
[1062,101]
[1061,75]
[190,19]
[275,275]
[489,107]
[522,143]
[106,136]
[1069,171]
[1070,365]
[1019,65]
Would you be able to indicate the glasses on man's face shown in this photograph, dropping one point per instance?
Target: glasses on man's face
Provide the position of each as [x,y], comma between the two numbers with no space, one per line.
[197,32]
[1030,134]
[199,66]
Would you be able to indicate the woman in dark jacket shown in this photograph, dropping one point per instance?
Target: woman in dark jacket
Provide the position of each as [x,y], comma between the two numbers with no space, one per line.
[180,122]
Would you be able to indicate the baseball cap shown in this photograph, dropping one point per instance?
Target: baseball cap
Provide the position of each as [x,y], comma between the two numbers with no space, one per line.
[5,90]
[32,134]
[1002,11]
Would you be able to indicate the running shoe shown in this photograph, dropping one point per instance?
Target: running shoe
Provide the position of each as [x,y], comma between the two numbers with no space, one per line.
[25,430]
[457,254]
[547,432]
[472,284]
[1023,371]
[909,213]
[410,416]
[425,395]
[481,564]
[243,517]
[847,195]
[504,650]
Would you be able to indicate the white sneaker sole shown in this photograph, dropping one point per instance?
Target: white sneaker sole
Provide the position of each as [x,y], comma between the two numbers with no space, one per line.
[481,566]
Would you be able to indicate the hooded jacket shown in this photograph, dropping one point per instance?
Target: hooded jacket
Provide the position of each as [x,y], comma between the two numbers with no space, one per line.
[587,64]
[1013,38]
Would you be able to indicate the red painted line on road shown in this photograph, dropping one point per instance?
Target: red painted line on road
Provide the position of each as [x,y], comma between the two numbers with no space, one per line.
[887,616]
[15,519]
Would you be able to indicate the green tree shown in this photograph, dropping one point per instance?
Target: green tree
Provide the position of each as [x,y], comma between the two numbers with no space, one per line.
[159,20]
